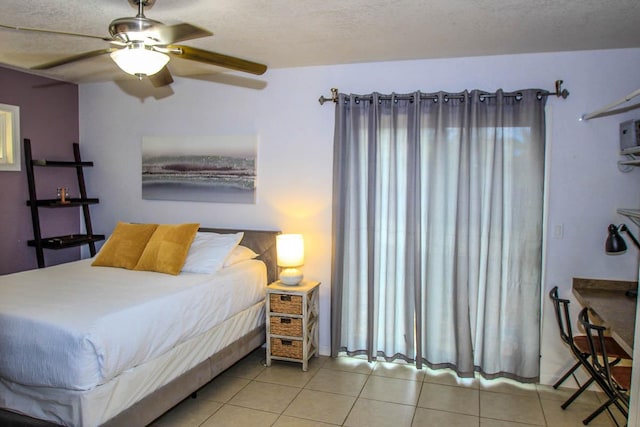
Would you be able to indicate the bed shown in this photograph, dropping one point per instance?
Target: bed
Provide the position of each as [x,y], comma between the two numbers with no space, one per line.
[127,386]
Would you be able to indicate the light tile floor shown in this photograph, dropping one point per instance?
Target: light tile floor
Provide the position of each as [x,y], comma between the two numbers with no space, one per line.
[351,392]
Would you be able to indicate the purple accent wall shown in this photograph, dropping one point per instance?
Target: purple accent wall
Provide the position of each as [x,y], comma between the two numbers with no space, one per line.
[49,118]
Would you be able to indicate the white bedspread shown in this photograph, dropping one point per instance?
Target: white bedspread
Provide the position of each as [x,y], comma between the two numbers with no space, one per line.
[75,326]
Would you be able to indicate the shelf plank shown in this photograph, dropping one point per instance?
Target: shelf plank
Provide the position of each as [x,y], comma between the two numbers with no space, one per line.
[631,150]
[632,214]
[60,242]
[634,162]
[635,213]
[61,164]
[55,203]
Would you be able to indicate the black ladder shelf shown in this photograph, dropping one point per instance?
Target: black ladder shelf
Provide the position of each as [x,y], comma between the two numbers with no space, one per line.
[59,242]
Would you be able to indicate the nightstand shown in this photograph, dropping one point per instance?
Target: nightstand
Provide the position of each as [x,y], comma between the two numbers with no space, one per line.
[292,322]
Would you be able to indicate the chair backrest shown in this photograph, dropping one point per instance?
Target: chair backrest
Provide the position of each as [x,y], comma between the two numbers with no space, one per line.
[597,347]
[561,308]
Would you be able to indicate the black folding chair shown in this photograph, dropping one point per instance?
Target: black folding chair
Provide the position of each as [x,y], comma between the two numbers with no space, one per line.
[579,345]
[616,378]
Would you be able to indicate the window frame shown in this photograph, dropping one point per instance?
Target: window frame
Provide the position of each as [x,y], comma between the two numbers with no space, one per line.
[10,159]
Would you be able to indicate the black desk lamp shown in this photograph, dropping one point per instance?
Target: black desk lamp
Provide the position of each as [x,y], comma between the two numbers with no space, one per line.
[615,245]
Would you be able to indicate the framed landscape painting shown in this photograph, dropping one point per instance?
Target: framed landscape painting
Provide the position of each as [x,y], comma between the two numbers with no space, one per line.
[218,169]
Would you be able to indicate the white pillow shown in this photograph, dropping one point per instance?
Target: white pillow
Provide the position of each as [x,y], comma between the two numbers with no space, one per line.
[239,253]
[209,251]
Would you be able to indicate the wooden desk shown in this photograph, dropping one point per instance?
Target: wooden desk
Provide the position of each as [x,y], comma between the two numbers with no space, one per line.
[607,300]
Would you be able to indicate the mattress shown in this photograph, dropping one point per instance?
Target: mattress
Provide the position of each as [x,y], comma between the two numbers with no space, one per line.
[89,408]
[75,327]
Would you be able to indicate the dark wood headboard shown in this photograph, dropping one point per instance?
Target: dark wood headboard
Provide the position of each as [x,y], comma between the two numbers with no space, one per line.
[262,242]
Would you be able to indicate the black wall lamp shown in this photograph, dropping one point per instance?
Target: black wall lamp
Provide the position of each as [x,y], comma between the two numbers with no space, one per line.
[615,244]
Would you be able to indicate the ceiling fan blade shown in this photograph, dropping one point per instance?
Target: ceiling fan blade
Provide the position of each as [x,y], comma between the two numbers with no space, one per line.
[65,33]
[161,78]
[68,59]
[212,58]
[180,32]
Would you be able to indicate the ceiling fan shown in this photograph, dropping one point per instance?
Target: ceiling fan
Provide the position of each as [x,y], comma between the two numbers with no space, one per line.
[143,46]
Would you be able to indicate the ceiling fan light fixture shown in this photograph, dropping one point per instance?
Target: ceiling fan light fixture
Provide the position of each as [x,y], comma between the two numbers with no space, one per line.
[140,60]
[142,47]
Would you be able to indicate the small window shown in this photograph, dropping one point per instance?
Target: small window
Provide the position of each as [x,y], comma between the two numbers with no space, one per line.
[9,137]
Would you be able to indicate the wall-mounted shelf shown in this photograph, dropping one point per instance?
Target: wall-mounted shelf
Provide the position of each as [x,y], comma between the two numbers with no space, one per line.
[632,156]
[632,214]
[614,107]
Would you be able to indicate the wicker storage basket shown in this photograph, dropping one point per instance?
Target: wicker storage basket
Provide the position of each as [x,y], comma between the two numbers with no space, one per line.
[286,304]
[291,327]
[286,348]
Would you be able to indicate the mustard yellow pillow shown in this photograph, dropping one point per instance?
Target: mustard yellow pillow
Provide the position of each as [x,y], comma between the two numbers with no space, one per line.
[167,249]
[125,246]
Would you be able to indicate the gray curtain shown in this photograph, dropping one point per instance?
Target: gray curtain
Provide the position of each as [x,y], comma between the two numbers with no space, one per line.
[437,230]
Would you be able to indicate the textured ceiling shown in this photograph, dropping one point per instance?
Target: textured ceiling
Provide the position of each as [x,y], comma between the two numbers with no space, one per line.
[292,33]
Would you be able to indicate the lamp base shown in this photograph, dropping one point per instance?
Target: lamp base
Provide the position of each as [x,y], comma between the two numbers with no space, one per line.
[291,276]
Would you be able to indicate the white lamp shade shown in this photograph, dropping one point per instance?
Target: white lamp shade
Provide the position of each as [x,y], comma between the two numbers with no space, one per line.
[290,248]
[140,61]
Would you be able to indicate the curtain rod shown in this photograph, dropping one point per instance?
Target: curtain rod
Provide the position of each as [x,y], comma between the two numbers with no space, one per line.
[559,92]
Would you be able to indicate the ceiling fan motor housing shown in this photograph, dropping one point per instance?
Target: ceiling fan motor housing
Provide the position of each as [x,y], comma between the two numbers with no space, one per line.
[134,29]
[146,3]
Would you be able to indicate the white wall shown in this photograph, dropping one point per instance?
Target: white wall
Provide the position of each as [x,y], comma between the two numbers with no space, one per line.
[295,154]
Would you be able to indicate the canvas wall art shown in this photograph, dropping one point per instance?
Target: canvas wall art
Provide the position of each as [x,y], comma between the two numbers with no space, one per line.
[219,169]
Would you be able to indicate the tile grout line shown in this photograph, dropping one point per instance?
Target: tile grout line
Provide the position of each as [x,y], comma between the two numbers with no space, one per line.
[296,396]
[544,415]
[359,394]
[415,410]
[222,404]
[476,378]
[230,398]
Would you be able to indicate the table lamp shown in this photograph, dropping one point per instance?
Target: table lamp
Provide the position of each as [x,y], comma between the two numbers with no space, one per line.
[290,248]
